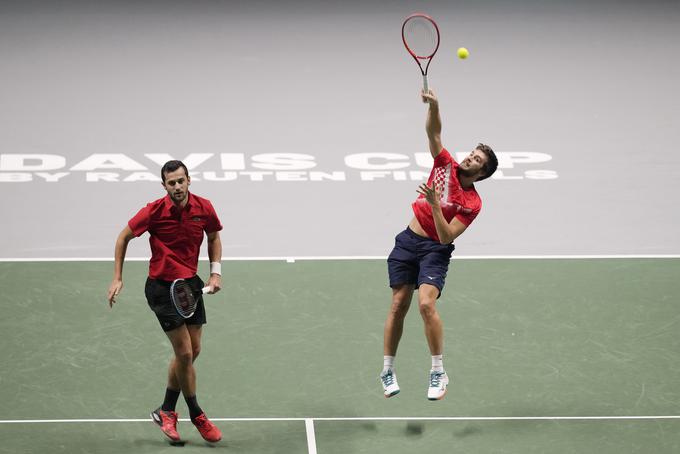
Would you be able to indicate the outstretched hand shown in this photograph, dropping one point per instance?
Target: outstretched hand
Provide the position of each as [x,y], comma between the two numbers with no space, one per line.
[432,195]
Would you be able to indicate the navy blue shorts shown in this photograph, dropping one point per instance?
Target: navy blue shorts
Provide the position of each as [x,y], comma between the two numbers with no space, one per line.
[418,260]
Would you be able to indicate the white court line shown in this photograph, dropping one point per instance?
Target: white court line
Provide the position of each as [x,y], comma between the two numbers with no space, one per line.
[292,259]
[311,437]
[365,418]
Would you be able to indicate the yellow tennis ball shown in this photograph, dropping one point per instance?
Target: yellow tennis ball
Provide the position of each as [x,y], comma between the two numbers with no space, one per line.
[463,53]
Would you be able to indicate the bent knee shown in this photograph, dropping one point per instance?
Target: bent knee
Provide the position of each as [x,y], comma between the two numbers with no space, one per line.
[184,356]
[399,311]
[427,306]
[400,306]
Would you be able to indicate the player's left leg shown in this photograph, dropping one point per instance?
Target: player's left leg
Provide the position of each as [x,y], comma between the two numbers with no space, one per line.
[209,431]
[434,332]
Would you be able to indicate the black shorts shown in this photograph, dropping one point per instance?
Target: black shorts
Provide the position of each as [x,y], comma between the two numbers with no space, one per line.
[158,296]
[418,260]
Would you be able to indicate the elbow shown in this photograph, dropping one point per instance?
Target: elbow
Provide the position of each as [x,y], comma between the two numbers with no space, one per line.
[122,241]
[448,239]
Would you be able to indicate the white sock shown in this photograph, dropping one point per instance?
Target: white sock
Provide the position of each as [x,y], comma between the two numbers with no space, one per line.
[437,363]
[388,363]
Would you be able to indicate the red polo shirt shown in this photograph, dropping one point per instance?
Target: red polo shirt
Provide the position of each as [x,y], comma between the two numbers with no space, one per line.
[176,234]
[464,204]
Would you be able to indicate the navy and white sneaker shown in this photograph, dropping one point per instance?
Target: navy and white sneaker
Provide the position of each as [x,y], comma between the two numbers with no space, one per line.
[439,381]
[389,383]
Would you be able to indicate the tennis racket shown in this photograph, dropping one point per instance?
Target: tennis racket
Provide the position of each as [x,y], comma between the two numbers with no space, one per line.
[184,297]
[421,38]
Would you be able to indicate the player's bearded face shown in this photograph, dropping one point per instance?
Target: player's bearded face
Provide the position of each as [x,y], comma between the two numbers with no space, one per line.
[473,164]
[177,185]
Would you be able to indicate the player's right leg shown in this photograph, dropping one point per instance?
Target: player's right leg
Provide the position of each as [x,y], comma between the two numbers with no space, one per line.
[167,421]
[394,324]
[394,327]
[402,267]
[158,297]
[183,360]
[181,376]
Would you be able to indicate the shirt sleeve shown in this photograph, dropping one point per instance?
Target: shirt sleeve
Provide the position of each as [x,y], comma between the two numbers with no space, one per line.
[213,224]
[140,221]
[467,218]
[443,158]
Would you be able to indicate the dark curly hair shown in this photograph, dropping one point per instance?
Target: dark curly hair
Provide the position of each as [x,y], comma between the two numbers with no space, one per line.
[171,166]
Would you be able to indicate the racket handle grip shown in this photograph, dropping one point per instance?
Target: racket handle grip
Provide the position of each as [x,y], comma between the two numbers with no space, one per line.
[426,89]
[205,289]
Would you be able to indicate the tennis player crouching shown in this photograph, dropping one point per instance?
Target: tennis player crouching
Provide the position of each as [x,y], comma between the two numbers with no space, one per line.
[446,206]
[176,224]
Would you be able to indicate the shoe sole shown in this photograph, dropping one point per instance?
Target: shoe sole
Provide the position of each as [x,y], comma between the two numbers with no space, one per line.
[209,441]
[160,424]
[387,396]
[213,441]
[438,398]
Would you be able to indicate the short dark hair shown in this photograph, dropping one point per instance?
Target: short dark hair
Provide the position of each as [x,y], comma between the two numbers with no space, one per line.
[171,166]
[491,161]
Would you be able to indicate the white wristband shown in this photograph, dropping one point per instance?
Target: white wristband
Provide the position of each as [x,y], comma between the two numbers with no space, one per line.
[216,268]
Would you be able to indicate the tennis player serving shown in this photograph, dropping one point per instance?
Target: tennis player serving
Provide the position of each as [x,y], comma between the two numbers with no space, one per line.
[176,224]
[446,206]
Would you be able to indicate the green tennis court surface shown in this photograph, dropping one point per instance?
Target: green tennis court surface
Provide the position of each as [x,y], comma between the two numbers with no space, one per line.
[292,351]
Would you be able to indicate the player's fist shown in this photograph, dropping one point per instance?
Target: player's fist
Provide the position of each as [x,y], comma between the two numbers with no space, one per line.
[215,283]
[428,97]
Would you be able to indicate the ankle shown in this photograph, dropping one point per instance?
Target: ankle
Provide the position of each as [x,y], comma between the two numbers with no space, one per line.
[388,363]
[437,363]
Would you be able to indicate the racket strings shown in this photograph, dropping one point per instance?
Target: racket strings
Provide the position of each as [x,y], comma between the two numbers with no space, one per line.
[421,37]
[184,297]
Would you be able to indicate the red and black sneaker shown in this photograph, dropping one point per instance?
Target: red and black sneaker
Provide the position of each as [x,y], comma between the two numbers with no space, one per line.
[167,420]
[207,429]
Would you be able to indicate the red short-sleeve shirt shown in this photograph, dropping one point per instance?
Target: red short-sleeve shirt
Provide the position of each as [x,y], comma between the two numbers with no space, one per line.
[176,234]
[464,204]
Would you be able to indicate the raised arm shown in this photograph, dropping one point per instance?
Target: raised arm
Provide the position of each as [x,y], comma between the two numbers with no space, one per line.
[433,124]
[121,248]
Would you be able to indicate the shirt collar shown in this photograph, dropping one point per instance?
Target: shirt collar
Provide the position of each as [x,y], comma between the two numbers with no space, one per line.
[171,205]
